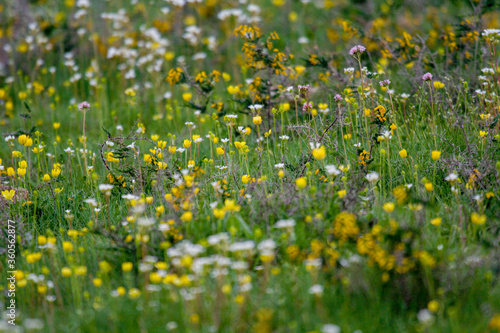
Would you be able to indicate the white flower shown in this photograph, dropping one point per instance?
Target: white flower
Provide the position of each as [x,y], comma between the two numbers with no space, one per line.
[332,170]
[349,70]
[372,177]
[314,145]
[279,165]
[386,135]
[313,262]
[316,289]
[91,201]
[130,197]
[425,316]
[285,224]
[145,221]
[256,107]
[242,246]
[330,328]
[105,187]
[451,177]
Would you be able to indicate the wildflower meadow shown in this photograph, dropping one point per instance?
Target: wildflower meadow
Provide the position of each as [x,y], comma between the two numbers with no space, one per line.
[250,166]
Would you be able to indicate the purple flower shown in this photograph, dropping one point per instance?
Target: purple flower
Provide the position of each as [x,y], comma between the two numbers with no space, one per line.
[356,50]
[84,106]
[337,98]
[384,83]
[307,106]
[427,77]
[303,89]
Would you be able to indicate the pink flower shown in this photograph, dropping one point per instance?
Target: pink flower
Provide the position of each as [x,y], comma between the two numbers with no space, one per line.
[304,88]
[337,98]
[384,83]
[356,50]
[307,106]
[84,106]
[427,77]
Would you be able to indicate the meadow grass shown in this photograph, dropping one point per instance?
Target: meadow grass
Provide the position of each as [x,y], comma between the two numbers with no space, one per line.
[267,166]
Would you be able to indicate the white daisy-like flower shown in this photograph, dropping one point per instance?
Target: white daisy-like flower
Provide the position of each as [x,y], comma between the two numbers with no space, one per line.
[372,177]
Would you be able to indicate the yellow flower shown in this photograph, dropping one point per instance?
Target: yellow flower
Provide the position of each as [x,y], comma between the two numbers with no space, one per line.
[161,144]
[319,153]
[67,246]
[97,282]
[435,155]
[42,240]
[433,305]
[46,177]
[154,277]
[186,143]
[389,207]
[56,172]
[186,216]
[130,92]
[257,120]
[41,288]
[301,182]
[8,194]
[220,151]
[121,291]
[219,213]
[81,270]
[429,187]
[22,139]
[21,172]
[66,272]
[187,96]
[155,137]
[246,178]
[285,107]
[10,172]
[436,221]
[478,219]
[160,209]
[403,153]
[127,266]
[56,125]
[341,193]
[233,89]
[281,174]
[438,84]
[172,149]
